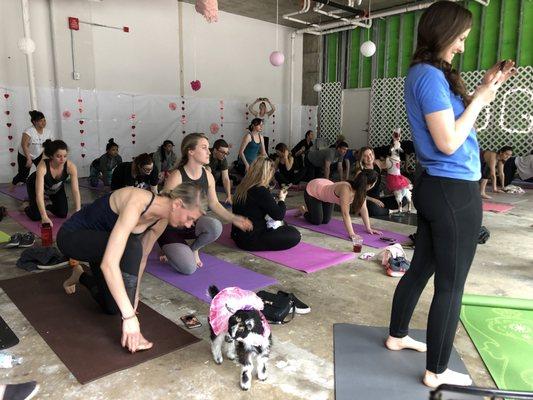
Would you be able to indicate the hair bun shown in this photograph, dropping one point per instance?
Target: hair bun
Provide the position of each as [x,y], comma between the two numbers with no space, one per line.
[112,140]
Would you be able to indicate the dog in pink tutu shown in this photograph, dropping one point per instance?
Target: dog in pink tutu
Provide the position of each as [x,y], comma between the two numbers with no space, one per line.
[398,184]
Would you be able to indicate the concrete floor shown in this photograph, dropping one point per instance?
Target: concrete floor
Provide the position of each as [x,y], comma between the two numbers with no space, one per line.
[301,365]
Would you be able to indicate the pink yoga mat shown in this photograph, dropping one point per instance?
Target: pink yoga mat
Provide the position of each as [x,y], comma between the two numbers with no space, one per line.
[84,183]
[35,226]
[336,228]
[215,271]
[303,257]
[17,192]
[496,207]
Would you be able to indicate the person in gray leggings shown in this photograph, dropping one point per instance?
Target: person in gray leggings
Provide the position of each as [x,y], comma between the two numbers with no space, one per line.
[184,257]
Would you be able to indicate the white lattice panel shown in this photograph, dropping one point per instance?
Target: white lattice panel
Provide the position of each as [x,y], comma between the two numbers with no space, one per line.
[507,121]
[330,111]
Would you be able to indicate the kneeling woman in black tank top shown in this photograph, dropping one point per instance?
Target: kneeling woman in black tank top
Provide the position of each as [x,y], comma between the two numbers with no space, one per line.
[253,200]
[49,180]
[115,235]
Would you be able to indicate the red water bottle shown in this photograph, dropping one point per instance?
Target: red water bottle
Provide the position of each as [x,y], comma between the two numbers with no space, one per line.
[46,235]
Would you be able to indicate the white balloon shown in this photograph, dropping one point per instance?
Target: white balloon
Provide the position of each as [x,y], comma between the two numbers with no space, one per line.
[317,87]
[368,48]
[26,45]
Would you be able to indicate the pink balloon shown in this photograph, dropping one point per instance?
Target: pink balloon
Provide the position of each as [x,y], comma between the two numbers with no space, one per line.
[66,114]
[277,58]
[214,128]
[172,106]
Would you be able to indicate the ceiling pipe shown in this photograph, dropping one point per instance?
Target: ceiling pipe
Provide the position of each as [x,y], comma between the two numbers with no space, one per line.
[356,11]
[305,8]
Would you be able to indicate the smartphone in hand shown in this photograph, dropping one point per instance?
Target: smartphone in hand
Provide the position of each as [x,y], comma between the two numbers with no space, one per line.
[191,321]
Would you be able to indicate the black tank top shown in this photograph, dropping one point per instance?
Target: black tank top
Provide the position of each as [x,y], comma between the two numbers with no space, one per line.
[51,184]
[202,181]
[98,216]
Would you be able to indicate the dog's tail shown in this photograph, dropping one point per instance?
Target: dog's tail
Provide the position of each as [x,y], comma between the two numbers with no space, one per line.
[213,291]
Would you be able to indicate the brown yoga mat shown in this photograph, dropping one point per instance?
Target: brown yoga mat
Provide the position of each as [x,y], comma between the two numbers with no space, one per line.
[82,336]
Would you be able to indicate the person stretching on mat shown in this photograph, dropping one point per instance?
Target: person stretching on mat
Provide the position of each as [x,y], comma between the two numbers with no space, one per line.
[103,166]
[49,180]
[490,160]
[115,234]
[321,194]
[140,173]
[441,115]
[254,200]
[183,257]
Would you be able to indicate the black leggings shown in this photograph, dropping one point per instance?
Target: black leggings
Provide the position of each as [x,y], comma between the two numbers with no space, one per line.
[89,246]
[449,218]
[390,204]
[59,206]
[283,238]
[318,212]
[285,178]
[24,171]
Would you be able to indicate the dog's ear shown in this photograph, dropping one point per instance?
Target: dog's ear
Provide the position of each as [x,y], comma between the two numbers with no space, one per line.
[250,323]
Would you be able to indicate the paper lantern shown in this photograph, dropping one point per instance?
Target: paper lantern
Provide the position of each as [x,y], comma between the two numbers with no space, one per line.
[277,58]
[208,8]
[368,48]
[317,87]
[26,45]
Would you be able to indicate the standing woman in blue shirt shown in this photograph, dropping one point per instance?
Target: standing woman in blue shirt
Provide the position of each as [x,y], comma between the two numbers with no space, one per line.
[442,115]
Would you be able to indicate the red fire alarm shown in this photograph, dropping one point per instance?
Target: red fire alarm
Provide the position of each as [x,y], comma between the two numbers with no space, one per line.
[126,29]
[73,23]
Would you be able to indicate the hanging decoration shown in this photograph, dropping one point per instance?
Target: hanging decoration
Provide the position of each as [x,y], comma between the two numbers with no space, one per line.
[214,128]
[247,113]
[183,119]
[195,83]
[368,48]
[9,124]
[317,87]
[67,114]
[221,104]
[309,116]
[207,8]
[273,130]
[81,122]
[276,57]
[172,106]
[132,119]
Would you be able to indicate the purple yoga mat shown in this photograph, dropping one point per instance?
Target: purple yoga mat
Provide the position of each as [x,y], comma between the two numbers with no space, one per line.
[336,228]
[303,257]
[17,192]
[84,183]
[35,226]
[215,271]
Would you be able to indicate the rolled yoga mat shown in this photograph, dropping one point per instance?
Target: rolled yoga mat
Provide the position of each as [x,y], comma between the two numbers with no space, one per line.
[35,226]
[497,207]
[302,257]
[85,339]
[214,272]
[501,328]
[336,228]
[84,183]
[7,336]
[366,369]
[18,192]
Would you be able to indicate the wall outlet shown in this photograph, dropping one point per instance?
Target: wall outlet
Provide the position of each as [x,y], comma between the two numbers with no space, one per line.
[76,76]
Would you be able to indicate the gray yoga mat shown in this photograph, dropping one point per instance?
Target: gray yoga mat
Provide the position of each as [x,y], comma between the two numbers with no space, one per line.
[400,218]
[365,369]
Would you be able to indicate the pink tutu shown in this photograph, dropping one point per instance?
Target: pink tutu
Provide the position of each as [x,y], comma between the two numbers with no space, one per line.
[230,300]
[397,182]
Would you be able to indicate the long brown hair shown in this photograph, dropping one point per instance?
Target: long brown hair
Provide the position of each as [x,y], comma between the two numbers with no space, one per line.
[260,173]
[360,185]
[439,27]
[189,142]
[141,161]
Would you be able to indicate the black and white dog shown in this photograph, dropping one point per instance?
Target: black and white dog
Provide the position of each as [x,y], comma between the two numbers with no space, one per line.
[236,322]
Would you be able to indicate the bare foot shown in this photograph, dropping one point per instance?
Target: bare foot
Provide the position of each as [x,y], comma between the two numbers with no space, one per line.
[450,377]
[199,262]
[301,211]
[485,196]
[145,345]
[406,342]
[70,284]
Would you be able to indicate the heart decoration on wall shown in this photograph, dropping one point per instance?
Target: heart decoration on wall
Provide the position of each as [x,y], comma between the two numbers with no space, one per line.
[6,96]
[10,137]
[173,106]
[66,114]
[9,124]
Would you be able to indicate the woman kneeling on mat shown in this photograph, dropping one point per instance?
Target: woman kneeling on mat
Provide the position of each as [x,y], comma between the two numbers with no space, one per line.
[254,200]
[115,234]
[321,194]
[49,180]
[183,257]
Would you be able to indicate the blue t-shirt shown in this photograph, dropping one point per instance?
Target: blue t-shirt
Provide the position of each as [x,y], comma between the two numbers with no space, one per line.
[427,91]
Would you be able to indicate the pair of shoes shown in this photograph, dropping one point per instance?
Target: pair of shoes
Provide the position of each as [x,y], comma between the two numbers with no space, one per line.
[21,240]
[21,391]
[299,306]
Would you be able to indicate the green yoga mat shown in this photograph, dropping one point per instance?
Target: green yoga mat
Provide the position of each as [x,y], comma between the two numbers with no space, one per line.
[502,331]
[4,237]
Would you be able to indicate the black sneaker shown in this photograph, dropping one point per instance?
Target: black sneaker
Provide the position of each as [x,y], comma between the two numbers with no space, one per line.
[21,391]
[27,240]
[299,306]
[14,240]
